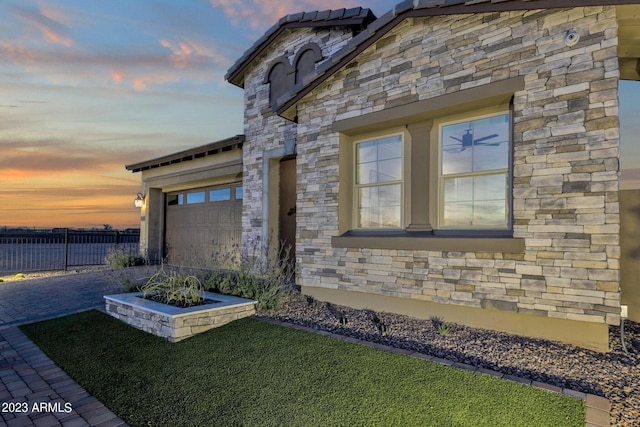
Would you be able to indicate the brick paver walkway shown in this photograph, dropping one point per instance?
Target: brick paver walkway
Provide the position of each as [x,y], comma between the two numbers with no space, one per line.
[34,391]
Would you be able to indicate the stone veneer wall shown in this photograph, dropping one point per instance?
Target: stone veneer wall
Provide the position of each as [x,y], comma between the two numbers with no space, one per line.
[176,328]
[565,161]
[263,129]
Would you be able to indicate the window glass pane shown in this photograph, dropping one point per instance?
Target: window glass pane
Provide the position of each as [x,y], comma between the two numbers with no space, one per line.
[490,187]
[220,194]
[479,201]
[390,170]
[475,146]
[379,207]
[490,214]
[390,148]
[193,198]
[174,199]
[457,214]
[367,173]
[458,190]
[379,160]
[367,152]
[239,193]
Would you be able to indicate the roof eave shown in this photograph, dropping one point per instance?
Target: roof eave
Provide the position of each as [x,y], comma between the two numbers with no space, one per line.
[234,142]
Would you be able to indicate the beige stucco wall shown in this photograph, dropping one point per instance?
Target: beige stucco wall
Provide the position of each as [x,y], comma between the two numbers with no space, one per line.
[630,251]
[221,168]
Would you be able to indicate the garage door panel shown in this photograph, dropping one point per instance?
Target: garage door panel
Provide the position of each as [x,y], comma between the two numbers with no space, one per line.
[195,232]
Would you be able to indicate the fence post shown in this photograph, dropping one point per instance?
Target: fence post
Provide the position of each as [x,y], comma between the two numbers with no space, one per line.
[66,248]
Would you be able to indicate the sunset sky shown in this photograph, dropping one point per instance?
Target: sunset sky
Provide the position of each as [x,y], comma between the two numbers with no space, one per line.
[89,86]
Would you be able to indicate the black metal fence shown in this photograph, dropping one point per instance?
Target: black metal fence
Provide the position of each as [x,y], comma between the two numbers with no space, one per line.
[61,248]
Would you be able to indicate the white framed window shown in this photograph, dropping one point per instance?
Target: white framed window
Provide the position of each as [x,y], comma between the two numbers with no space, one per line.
[378,183]
[473,172]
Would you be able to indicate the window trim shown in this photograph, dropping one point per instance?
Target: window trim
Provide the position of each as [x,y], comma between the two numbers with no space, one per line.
[353,186]
[421,231]
[354,179]
[437,198]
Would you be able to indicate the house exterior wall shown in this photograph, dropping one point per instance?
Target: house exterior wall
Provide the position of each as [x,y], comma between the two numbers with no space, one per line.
[630,250]
[265,132]
[565,171]
[221,168]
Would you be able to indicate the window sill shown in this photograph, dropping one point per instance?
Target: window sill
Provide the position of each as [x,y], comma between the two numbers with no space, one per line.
[469,242]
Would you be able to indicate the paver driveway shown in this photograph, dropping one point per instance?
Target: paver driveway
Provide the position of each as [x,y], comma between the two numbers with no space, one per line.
[28,300]
[33,390]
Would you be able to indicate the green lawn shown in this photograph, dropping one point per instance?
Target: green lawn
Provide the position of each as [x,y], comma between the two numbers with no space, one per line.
[251,372]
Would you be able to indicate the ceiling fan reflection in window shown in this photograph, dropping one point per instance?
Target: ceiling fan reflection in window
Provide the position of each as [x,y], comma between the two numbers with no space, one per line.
[468,141]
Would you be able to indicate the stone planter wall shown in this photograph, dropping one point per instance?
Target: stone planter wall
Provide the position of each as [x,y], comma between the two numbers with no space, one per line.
[173,323]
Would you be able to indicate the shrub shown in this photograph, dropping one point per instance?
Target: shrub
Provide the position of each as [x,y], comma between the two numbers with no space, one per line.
[436,321]
[119,258]
[173,288]
[444,330]
[260,274]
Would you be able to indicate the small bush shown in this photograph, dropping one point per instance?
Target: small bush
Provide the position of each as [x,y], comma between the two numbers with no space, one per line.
[267,293]
[259,274]
[174,288]
[444,330]
[436,321]
[119,258]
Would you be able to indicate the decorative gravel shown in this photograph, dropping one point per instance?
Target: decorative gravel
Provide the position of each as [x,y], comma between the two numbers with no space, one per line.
[614,375]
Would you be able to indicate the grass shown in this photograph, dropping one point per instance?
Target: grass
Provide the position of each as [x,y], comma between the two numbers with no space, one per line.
[251,372]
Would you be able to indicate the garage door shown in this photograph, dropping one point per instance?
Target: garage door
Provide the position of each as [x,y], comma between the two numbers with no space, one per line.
[203,224]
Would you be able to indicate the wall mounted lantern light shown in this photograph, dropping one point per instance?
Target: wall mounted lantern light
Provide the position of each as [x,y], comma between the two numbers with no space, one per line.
[138,202]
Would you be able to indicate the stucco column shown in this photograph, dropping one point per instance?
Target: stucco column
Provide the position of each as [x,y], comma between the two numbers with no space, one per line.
[419,152]
[151,225]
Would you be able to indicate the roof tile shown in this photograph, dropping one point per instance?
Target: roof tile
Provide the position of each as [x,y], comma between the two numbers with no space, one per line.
[336,14]
[322,16]
[350,13]
[309,16]
[403,7]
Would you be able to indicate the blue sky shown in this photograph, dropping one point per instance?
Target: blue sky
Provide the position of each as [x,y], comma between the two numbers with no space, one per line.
[88,86]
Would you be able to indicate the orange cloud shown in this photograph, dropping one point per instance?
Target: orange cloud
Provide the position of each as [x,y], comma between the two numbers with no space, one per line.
[18,52]
[187,52]
[54,14]
[117,77]
[262,14]
[51,23]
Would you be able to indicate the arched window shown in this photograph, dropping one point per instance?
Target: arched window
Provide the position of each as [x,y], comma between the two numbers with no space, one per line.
[305,60]
[279,76]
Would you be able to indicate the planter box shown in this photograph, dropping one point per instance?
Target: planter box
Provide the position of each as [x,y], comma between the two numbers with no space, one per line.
[174,323]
